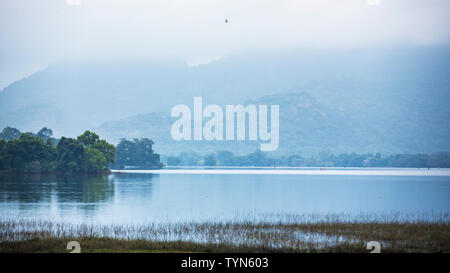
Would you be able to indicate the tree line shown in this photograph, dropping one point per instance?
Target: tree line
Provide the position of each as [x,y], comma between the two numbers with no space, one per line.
[325,159]
[87,153]
[41,152]
[35,153]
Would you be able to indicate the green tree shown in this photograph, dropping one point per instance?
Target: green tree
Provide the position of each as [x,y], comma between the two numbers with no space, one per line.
[190,158]
[138,152]
[295,161]
[4,164]
[45,133]
[173,161]
[210,160]
[226,158]
[29,153]
[10,133]
[37,152]
[94,160]
[88,138]
[108,150]
[256,158]
[92,140]
[70,155]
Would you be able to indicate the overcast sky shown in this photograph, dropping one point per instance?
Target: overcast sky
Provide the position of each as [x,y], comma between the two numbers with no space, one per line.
[34,33]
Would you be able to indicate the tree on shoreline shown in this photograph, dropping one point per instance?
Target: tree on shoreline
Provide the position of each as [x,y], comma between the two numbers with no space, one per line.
[31,154]
[34,153]
[137,152]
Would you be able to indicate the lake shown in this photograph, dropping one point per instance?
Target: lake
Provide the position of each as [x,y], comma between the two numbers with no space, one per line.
[178,195]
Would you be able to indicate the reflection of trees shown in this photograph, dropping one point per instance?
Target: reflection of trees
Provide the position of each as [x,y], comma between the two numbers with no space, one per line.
[74,195]
[134,186]
[25,188]
[67,188]
[84,189]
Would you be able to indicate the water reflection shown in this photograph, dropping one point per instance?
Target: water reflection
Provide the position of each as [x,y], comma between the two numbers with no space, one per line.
[26,188]
[134,186]
[84,189]
[66,188]
[54,196]
[150,198]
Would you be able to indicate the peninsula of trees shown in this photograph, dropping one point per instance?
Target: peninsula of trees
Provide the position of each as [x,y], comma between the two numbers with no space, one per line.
[36,153]
[41,153]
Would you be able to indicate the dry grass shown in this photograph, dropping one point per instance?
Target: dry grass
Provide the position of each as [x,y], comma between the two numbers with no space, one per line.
[332,235]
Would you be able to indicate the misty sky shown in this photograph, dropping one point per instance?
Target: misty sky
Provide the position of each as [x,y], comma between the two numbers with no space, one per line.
[35,33]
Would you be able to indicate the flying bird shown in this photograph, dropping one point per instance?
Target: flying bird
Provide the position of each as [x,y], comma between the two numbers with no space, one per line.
[226,21]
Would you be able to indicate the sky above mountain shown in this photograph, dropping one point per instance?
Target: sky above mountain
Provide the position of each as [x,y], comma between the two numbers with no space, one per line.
[34,34]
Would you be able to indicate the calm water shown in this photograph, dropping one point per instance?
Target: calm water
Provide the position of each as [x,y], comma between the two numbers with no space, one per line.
[161,197]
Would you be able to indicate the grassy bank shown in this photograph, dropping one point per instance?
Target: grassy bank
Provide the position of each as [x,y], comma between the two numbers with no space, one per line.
[38,236]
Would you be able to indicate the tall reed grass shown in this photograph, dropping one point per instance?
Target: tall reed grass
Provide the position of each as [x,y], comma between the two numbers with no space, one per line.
[292,233]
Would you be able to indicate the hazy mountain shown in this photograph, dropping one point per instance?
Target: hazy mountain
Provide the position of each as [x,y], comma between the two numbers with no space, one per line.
[306,127]
[374,99]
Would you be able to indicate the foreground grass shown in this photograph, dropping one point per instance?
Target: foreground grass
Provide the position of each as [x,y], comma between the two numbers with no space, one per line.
[38,236]
[110,245]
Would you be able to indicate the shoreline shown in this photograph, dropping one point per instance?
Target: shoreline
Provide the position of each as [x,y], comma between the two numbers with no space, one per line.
[383,172]
[106,172]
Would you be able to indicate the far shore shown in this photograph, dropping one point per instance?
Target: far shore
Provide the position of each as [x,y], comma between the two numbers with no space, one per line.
[296,171]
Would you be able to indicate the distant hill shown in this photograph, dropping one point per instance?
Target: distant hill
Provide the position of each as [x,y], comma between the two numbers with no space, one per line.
[390,100]
[306,127]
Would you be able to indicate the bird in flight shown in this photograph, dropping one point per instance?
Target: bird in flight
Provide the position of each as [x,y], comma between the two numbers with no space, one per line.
[226,21]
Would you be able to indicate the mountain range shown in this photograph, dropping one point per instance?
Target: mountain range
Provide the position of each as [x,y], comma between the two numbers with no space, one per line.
[388,100]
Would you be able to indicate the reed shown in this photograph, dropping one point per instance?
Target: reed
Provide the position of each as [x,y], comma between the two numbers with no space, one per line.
[291,234]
